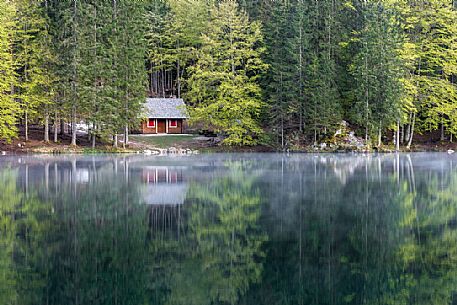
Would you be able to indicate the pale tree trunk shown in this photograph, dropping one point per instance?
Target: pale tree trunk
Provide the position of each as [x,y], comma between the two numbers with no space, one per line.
[26,121]
[282,132]
[126,136]
[94,138]
[46,127]
[55,127]
[178,79]
[379,137]
[410,140]
[397,138]
[408,128]
[73,126]
[115,141]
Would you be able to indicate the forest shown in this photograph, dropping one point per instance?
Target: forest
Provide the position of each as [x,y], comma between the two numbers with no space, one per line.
[282,72]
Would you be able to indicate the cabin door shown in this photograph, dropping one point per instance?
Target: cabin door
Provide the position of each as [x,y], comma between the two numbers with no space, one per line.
[161,126]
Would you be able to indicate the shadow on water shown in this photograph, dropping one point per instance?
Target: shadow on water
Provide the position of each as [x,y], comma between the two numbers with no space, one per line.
[229,229]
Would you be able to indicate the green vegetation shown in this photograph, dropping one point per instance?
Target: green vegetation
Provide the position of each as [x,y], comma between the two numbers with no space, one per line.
[287,71]
[223,90]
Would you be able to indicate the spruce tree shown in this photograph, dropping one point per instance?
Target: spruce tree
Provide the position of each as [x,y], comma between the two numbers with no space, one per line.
[9,108]
[131,74]
[377,70]
[223,87]
[33,58]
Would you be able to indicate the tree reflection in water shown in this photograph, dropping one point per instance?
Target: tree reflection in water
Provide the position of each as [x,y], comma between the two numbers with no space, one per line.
[229,229]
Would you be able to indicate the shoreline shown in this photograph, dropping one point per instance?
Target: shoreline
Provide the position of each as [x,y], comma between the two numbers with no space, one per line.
[194,144]
[173,150]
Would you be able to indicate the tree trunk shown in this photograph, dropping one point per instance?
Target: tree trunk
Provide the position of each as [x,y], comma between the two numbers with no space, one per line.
[126,136]
[46,127]
[178,79]
[410,140]
[379,137]
[397,138]
[408,128]
[93,138]
[282,133]
[26,122]
[73,126]
[115,141]
[62,126]
[442,138]
[55,127]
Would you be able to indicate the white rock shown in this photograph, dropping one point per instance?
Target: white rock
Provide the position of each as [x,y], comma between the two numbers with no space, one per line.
[3,153]
[450,151]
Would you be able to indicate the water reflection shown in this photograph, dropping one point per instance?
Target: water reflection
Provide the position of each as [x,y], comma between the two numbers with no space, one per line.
[229,229]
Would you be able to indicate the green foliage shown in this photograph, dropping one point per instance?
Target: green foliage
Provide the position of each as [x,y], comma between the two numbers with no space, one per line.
[9,108]
[223,88]
[432,33]
[34,57]
[292,69]
[377,68]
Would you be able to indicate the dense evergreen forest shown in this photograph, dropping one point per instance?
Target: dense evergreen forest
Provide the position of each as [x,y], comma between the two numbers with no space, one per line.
[284,72]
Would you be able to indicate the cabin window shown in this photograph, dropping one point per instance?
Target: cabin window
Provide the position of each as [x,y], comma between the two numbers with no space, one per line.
[151,123]
[173,123]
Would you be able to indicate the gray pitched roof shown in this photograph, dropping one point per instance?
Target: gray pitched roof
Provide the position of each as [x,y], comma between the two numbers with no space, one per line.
[165,108]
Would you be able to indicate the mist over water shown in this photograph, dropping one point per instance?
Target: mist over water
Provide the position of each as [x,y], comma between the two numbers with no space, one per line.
[229,229]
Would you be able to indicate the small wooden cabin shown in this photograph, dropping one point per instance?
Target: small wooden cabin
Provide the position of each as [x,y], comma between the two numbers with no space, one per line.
[164,116]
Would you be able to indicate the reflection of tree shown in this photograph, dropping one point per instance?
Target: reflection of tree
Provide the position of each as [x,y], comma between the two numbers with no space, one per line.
[218,259]
[101,250]
[23,231]
[376,239]
[429,251]
[9,200]
[87,247]
[385,234]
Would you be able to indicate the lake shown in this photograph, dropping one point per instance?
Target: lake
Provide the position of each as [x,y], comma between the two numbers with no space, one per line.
[229,229]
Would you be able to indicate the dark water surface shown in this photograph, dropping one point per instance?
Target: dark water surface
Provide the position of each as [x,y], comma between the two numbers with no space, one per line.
[228,229]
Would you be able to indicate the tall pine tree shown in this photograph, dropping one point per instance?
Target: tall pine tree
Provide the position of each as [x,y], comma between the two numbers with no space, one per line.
[223,87]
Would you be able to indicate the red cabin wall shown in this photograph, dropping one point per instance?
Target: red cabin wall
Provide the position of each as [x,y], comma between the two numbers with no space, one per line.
[181,126]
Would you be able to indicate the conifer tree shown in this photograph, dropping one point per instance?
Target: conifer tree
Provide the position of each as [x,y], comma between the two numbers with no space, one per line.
[223,86]
[9,108]
[377,70]
[131,74]
[33,59]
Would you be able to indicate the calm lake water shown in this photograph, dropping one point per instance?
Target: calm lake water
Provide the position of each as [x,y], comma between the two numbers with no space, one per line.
[229,229]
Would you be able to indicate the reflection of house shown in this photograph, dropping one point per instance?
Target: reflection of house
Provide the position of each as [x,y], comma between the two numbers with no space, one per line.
[164,185]
[164,115]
